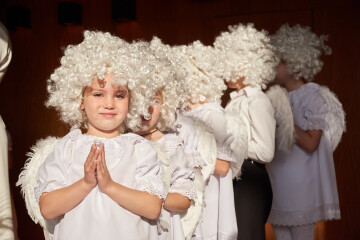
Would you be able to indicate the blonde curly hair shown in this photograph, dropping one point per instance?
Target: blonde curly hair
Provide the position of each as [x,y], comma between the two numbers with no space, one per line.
[170,84]
[245,52]
[300,49]
[99,54]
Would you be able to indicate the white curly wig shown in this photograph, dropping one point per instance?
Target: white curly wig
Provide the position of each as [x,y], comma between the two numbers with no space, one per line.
[169,83]
[245,52]
[200,81]
[99,53]
[300,49]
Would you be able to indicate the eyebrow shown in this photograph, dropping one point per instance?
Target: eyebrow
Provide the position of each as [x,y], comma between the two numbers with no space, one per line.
[122,90]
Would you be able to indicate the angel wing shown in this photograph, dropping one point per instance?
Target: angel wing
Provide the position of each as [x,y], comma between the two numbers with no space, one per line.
[162,224]
[206,147]
[192,216]
[28,180]
[237,127]
[335,116]
[285,131]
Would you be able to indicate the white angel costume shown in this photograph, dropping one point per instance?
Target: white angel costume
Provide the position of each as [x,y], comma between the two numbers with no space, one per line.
[131,161]
[178,177]
[6,222]
[186,131]
[304,185]
[218,220]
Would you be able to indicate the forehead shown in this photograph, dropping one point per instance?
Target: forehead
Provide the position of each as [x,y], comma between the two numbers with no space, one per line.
[106,83]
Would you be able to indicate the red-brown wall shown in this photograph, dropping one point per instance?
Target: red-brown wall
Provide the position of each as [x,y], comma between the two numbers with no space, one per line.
[36,52]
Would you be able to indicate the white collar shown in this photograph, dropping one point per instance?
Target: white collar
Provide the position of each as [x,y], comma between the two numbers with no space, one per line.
[247,91]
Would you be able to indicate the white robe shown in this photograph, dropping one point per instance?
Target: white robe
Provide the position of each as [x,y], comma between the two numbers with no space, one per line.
[131,161]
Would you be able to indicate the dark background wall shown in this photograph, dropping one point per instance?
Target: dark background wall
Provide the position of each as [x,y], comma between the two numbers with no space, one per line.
[37,50]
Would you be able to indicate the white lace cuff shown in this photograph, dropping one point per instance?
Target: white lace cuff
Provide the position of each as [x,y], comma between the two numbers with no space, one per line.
[184,187]
[225,236]
[195,159]
[316,124]
[225,153]
[47,187]
[152,185]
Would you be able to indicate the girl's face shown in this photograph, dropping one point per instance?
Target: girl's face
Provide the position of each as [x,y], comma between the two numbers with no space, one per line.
[282,74]
[106,107]
[155,112]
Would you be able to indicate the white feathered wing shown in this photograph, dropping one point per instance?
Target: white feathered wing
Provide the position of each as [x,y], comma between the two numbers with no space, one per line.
[335,116]
[285,130]
[236,125]
[162,224]
[28,180]
[207,149]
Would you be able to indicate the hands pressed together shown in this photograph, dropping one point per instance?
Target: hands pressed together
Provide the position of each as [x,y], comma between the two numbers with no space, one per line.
[95,169]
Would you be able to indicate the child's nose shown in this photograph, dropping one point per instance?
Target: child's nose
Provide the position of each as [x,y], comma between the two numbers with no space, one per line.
[109,103]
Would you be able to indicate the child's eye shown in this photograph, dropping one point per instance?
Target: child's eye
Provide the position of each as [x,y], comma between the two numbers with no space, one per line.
[120,96]
[97,94]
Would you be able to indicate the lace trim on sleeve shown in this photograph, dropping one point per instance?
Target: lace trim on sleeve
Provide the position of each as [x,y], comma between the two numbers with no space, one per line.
[184,187]
[225,153]
[316,124]
[152,185]
[195,159]
[47,187]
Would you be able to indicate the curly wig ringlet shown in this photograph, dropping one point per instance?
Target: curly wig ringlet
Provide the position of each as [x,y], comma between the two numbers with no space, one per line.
[201,83]
[300,49]
[170,84]
[99,54]
[245,52]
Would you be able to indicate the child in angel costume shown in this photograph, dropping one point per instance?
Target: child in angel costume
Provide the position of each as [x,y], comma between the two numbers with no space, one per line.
[178,175]
[303,178]
[247,63]
[203,111]
[103,184]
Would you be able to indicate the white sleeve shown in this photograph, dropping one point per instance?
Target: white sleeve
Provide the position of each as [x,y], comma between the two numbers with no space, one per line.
[223,139]
[261,146]
[5,50]
[6,229]
[148,170]
[182,178]
[53,172]
[316,112]
[187,132]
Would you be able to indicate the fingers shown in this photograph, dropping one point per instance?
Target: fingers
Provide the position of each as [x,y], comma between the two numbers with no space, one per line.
[90,158]
[102,171]
[99,161]
[103,163]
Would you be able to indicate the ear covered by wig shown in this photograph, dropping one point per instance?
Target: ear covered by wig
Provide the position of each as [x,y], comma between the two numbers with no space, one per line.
[301,50]
[200,80]
[246,52]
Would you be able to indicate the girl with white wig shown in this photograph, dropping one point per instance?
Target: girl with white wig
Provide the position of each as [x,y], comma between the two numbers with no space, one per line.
[202,109]
[247,63]
[304,179]
[178,175]
[91,184]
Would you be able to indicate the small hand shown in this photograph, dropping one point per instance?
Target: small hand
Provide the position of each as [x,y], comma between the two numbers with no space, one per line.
[103,176]
[90,167]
